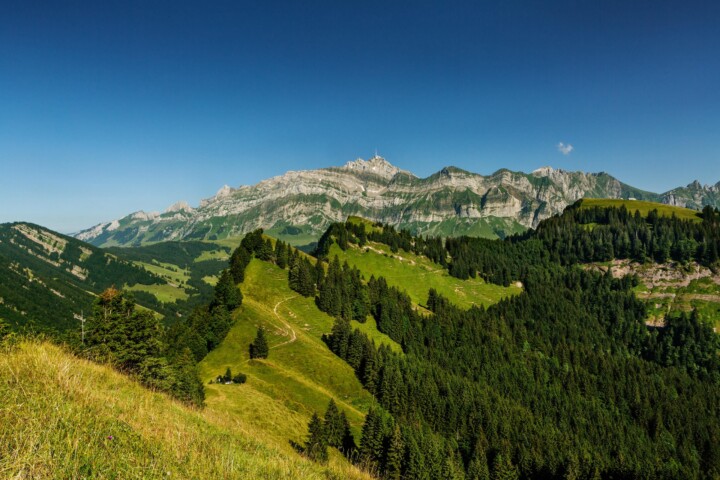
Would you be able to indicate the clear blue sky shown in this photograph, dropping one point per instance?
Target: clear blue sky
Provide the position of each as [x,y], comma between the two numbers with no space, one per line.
[107,108]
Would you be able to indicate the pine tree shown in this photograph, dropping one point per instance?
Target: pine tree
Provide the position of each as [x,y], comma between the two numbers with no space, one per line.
[503,469]
[371,446]
[316,445]
[228,375]
[281,258]
[264,250]
[259,347]
[319,273]
[451,468]
[226,292]
[239,260]
[414,461]
[348,446]
[478,468]
[122,335]
[334,427]
[188,387]
[395,454]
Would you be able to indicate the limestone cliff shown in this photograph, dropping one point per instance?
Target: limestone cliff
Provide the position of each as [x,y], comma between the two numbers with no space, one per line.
[299,205]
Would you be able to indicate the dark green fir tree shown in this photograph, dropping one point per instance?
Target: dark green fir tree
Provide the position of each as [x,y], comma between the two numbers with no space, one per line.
[259,347]
[316,445]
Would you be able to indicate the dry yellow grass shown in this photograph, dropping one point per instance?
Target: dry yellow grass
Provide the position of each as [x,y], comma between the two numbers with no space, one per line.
[63,417]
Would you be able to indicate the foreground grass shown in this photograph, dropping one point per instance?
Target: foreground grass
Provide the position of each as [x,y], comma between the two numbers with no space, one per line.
[62,417]
[417,275]
[643,207]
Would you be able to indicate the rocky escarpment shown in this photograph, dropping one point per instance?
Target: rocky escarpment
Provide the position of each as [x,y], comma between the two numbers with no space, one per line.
[693,196]
[299,205]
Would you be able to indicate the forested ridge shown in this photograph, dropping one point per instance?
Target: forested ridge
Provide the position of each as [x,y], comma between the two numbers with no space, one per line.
[600,234]
[46,278]
[562,381]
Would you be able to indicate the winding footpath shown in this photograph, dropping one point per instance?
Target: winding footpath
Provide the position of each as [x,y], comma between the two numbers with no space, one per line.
[288,327]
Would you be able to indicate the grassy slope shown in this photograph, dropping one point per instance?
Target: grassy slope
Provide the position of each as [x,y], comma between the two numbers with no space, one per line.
[369,328]
[57,413]
[164,293]
[416,275]
[299,377]
[643,207]
[173,273]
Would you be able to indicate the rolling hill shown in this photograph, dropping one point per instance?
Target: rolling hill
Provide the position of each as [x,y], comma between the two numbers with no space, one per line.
[48,279]
[644,207]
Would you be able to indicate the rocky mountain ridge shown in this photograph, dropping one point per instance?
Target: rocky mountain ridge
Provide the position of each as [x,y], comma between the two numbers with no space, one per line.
[298,205]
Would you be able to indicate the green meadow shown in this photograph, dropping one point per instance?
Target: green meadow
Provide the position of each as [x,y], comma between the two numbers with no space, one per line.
[417,275]
[642,206]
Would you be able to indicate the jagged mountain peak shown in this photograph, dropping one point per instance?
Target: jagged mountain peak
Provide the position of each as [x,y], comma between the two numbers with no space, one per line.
[543,171]
[450,202]
[377,165]
[181,206]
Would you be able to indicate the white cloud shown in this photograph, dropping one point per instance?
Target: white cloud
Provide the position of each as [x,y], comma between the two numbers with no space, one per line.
[565,149]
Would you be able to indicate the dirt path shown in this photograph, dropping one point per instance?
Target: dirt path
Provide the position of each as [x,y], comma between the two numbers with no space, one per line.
[288,328]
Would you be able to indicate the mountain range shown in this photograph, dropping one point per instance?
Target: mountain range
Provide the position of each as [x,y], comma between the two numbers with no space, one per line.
[299,205]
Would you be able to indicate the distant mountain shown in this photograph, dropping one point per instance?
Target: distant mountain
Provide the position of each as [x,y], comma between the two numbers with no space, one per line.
[49,280]
[299,205]
[693,196]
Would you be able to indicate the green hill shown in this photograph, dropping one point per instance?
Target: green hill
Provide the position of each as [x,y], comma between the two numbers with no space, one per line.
[641,206]
[416,275]
[190,270]
[300,375]
[62,417]
[48,279]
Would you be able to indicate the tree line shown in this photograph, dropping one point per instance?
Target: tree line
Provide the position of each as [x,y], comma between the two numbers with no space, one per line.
[133,340]
[564,380]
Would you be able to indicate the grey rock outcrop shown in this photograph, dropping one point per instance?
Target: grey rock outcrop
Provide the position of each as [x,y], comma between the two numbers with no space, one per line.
[299,205]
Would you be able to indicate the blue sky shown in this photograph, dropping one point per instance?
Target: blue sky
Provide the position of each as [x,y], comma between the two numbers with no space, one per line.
[112,107]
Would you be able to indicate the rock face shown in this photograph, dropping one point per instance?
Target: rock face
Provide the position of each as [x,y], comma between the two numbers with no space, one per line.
[299,205]
[693,196]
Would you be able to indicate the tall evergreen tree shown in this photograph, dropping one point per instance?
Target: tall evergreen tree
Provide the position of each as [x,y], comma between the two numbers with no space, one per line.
[394,455]
[259,347]
[316,445]
[120,334]
[348,446]
[478,467]
[334,427]
[281,258]
[503,469]
[188,387]
[226,292]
